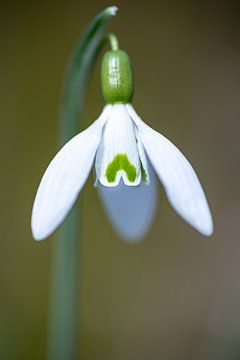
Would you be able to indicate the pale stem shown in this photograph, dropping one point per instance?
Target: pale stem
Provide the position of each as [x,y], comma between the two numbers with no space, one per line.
[113,40]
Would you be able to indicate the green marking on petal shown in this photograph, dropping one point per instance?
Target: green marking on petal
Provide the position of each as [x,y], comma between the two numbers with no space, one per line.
[143,173]
[121,162]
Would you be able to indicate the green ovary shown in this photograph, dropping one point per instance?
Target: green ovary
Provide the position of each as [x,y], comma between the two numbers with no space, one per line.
[120,162]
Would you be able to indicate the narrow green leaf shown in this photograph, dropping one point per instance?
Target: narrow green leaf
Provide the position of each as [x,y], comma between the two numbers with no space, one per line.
[78,72]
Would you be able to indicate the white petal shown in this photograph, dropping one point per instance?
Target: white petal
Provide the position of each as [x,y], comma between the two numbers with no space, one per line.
[118,146]
[141,152]
[65,177]
[181,183]
[130,209]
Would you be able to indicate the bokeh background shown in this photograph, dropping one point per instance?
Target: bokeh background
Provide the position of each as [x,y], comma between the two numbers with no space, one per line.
[176,294]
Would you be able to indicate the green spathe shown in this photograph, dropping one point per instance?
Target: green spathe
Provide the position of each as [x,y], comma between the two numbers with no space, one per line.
[117,78]
[121,162]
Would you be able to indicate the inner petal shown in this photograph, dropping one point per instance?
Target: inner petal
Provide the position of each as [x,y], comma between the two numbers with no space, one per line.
[118,155]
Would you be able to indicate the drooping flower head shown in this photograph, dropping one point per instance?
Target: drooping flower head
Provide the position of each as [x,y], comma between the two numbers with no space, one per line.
[121,145]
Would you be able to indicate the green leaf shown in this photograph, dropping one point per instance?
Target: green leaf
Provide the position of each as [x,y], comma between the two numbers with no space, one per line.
[78,73]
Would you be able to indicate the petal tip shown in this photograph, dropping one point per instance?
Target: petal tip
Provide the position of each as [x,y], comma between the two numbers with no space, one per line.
[38,235]
[39,232]
[204,227]
[207,230]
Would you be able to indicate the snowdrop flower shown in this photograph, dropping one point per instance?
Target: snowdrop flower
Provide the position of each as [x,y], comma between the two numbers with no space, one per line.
[121,145]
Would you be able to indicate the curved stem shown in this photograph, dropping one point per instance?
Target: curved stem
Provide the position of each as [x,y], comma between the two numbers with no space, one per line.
[113,40]
[64,305]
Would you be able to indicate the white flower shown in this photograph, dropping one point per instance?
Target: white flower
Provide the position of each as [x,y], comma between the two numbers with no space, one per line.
[118,141]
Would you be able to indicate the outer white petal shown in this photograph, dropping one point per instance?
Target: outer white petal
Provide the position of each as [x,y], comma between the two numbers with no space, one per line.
[181,183]
[130,209]
[118,138]
[65,177]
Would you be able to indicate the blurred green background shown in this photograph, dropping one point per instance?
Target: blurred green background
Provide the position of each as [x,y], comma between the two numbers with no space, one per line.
[176,294]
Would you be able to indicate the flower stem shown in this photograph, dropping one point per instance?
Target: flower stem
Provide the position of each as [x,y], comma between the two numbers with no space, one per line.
[113,40]
[64,303]
[63,307]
